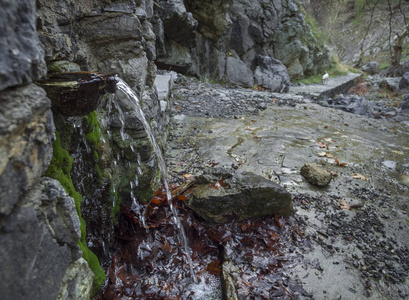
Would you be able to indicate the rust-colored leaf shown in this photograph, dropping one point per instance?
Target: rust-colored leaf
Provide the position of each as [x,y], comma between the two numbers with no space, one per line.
[339,164]
[157,200]
[218,184]
[188,176]
[182,198]
[213,268]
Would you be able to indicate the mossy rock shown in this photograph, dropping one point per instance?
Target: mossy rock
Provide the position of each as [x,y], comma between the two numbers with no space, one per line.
[60,169]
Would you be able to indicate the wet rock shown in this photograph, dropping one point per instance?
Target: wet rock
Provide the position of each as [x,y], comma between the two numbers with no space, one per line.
[77,94]
[404,82]
[352,103]
[316,175]
[371,68]
[222,197]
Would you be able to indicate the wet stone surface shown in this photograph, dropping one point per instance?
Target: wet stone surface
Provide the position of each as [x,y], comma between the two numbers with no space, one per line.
[349,240]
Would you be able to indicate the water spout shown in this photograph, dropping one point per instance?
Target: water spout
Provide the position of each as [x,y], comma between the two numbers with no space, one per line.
[132,102]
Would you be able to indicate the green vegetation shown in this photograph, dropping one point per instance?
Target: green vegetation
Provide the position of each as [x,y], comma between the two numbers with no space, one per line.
[59,169]
[336,69]
[316,30]
[93,138]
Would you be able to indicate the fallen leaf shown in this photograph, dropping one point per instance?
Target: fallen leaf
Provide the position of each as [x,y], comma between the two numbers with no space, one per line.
[157,200]
[339,164]
[188,176]
[218,184]
[344,204]
[359,176]
[213,268]
[346,124]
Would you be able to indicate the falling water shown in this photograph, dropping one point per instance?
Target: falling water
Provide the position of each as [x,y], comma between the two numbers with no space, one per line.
[134,102]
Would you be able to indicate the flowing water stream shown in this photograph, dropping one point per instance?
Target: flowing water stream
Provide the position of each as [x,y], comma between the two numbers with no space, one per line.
[133,101]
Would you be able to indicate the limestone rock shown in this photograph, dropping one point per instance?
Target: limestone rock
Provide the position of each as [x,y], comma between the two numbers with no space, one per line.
[223,197]
[27,131]
[77,282]
[404,106]
[316,175]
[238,73]
[371,68]
[390,83]
[215,35]
[22,55]
[272,74]
[38,242]
[404,81]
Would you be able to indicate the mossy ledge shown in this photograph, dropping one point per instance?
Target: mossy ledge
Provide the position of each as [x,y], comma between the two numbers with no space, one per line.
[59,169]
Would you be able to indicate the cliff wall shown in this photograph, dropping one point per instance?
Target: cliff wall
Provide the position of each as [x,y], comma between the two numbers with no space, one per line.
[242,42]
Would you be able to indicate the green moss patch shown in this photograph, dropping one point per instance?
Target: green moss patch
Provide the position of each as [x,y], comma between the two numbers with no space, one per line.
[59,169]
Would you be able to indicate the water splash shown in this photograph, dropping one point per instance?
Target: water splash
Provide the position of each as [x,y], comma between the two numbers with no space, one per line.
[132,101]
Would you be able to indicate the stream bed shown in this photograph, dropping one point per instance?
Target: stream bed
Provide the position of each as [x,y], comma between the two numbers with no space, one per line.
[347,240]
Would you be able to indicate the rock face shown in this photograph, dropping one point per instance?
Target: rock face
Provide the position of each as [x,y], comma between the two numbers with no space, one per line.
[22,56]
[100,36]
[27,130]
[223,197]
[39,225]
[211,38]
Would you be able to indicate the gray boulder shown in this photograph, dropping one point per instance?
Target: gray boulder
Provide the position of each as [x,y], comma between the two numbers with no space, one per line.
[21,54]
[223,197]
[390,83]
[404,82]
[371,68]
[404,106]
[272,74]
[238,73]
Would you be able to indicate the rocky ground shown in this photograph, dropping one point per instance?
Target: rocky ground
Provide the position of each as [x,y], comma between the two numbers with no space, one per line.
[351,238]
